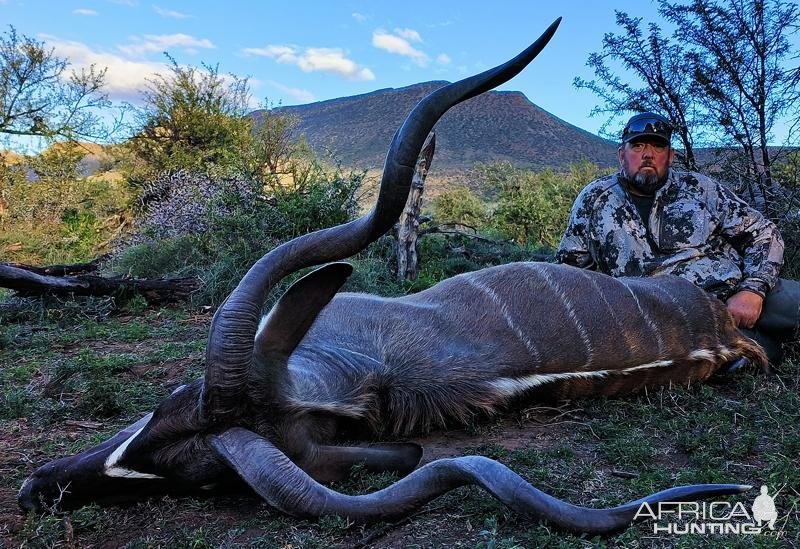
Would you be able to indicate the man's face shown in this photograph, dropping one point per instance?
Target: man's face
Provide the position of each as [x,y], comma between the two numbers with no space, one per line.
[645,162]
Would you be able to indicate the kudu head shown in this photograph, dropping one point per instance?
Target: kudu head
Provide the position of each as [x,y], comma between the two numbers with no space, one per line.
[196,437]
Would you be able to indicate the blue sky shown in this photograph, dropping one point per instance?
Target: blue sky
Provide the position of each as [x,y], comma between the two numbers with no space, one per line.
[301,51]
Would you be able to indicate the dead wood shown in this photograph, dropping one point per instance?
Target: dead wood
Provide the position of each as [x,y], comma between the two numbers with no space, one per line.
[63,270]
[408,226]
[28,282]
[458,229]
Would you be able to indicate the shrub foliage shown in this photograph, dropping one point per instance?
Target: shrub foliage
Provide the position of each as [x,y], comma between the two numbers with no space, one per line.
[217,228]
[531,208]
[50,214]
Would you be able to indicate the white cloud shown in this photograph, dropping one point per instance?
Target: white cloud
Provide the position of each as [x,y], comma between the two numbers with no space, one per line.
[304,96]
[315,60]
[282,54]
[169,14]
[83,11]
[124,78]
[394,43]
[409,34]
[151,43]
[332,60]
[360,17]
[443,59]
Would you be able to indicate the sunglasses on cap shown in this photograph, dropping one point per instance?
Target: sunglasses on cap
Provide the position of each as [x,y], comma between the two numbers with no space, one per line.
[647,124]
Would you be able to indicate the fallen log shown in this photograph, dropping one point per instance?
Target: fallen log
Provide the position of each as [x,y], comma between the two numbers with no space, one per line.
[62,270]
[27,282]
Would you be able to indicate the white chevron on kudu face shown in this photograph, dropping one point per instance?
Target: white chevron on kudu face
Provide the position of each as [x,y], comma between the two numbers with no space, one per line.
[111,469]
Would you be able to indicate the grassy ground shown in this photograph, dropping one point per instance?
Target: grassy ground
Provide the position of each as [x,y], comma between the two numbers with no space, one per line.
[72,374]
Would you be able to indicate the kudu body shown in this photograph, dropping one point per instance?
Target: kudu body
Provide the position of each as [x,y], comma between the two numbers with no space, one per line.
[322,368]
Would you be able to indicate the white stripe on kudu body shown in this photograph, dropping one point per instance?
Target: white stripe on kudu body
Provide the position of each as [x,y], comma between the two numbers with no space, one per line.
[650,323]
[684,315]
[503,307]
[566,301]
[704,354]
[619,324]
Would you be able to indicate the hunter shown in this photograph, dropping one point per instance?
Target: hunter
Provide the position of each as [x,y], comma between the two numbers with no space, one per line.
[649,219]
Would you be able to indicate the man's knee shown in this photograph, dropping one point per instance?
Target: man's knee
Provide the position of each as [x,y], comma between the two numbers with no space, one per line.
[780,316]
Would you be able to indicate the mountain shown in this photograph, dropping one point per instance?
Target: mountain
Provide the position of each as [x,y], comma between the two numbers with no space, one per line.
[497,125]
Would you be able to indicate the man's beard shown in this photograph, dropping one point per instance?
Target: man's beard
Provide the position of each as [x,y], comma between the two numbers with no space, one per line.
[645,182]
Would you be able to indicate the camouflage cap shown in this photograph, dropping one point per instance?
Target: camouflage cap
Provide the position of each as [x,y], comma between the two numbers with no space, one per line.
[647,124]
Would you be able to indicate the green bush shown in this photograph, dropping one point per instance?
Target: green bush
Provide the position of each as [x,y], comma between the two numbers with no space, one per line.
[193,119]
[533,208]
[218,229]
[460,205]
[441,256]
[374,270]
[59,217]
[175,256]
[45,224]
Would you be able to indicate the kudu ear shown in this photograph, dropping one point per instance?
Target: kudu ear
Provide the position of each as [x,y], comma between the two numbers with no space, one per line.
[296,310]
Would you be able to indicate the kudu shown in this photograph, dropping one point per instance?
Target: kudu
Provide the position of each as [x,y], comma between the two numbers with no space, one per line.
[278,394]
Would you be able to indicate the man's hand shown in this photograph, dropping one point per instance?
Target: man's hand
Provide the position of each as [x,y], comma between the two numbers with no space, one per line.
[745,307]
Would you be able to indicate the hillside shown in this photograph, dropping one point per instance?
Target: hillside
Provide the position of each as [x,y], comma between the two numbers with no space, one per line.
[493,126]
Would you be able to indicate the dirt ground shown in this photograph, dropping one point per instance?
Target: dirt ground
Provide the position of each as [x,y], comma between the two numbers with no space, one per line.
[595,453]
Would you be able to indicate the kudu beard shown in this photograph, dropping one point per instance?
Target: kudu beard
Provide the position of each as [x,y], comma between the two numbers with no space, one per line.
[647,183]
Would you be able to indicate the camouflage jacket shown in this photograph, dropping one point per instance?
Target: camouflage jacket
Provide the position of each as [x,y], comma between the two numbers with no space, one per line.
[698,229]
